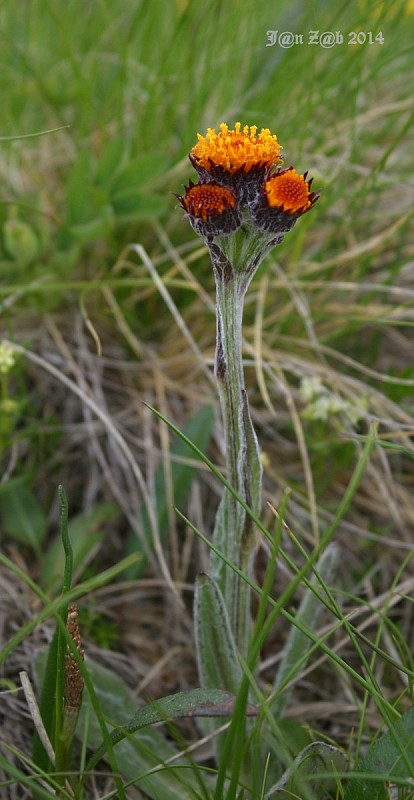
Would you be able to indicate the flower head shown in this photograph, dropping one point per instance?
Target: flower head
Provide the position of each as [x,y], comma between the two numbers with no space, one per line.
[242,190]
[284,198]
[288,191]
[236,158]
[211,208]
[236,150]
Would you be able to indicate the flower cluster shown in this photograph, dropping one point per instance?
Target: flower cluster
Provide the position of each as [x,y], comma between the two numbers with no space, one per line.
[7,358]
[239,182]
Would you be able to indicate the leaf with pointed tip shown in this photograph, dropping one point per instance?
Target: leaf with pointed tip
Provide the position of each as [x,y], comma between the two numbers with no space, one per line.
[313,769]
[194,703]
[87,531]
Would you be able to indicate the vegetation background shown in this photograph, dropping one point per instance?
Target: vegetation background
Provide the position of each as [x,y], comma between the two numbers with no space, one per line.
[107,297]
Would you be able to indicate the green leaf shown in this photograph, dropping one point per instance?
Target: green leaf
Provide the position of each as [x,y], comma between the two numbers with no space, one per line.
[194,703]
[110,163]
[139,173]
[199,430]
[46,670]
[312,773]
[135,755]
[137,204]
[218,663]
[21,242]
[138,746]
[22,516]
[93,229]
[79,192]
[280,746]
[391,758]
[20,779]
[86,534]
[89,213]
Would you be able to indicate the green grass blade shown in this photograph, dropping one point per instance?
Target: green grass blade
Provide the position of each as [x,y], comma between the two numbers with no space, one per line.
[308,613]
[198,430]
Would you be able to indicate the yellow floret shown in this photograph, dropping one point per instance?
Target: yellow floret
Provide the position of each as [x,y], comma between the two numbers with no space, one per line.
[236,149]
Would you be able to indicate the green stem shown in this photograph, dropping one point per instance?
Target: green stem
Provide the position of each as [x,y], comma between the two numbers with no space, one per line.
[234,533]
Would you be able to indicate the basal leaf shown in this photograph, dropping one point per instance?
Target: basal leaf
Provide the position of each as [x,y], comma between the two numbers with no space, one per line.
[311,775]
[22,516]
[193,703]
[391,758]
[218,663]
[86,534]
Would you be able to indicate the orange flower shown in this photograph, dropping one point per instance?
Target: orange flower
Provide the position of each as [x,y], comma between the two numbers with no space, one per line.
[285,196]
[236,149]
[238,158]
[289,191]
[206,199]
[238,181]
[212,209]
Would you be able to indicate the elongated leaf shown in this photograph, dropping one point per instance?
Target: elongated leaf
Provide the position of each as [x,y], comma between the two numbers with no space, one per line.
[22,516]
[110,162]
[137,204]
[79,203]
[391,758]
[95,228]
[199,430]
[218,664]
[194,703]
[139,173]
[311,774]
[135,756]
[253,463]
[308,614]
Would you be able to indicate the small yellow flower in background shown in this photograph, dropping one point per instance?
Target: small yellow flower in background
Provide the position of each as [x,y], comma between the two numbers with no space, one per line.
[7,358]
[320,403]
[9,407]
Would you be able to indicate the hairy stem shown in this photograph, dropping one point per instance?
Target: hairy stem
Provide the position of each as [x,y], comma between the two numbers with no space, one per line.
[234,533]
